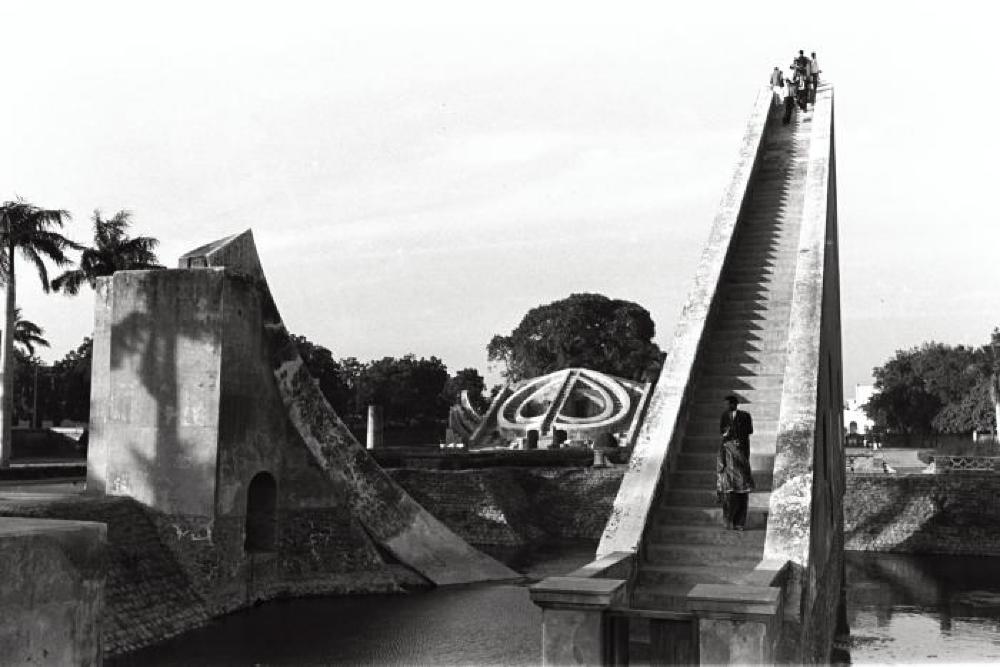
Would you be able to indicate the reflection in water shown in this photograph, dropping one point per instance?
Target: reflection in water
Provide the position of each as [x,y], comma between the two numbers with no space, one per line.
[469,625]
[901,609]
[908,609]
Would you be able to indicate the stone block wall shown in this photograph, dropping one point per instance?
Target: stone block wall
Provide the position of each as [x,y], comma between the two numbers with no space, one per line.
[148,597]
[51,592]
[516,506]
[165,575]
[947,514]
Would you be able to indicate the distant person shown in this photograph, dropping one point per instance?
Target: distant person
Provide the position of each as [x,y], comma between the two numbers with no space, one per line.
[791,89]
[778,85]
[814,76]
[801,64]
[802,93]
[734,479]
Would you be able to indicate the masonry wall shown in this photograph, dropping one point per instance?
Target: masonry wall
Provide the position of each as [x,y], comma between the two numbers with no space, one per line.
[944,514]
[157,399]
[515,507]
[52,592]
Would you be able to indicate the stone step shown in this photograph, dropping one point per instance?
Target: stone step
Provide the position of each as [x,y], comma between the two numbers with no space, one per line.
[706,516]
[777,334]
[745,327]
[688,574]
[706,497]
[714,408]
[733,274]
[706,461]
[737,344]
[743,556]
[749,368]
[709,426]
[761,442]
[711,400]
[661,597]
[705,479]
[743,356]
[705,535]
[735,382]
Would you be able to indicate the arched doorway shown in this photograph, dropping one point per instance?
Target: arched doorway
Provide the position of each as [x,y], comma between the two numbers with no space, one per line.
[262,519]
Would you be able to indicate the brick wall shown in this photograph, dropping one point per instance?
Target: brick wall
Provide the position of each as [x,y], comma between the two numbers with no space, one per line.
[516,506]
[947,513]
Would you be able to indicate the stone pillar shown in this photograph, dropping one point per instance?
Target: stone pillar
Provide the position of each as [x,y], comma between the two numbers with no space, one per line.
[374,436]
[737,625]
[600,458]
[576,626]
[531,440]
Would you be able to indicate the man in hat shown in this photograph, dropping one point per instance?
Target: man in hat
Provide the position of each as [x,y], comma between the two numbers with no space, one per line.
[734,478]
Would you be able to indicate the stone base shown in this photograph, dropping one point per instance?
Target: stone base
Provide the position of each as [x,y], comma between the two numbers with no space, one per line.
[51,591]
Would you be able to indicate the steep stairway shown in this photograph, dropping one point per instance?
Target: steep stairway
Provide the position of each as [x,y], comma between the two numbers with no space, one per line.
[744,353]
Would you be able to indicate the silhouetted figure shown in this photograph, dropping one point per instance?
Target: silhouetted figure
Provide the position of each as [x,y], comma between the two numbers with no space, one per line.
[814,77]
[791,88]
[777,85]
[734,477]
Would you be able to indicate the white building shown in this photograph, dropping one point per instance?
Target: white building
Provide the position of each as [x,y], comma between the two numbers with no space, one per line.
[855,419]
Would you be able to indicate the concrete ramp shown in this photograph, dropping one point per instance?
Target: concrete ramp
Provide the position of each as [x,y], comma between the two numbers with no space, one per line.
[393,518]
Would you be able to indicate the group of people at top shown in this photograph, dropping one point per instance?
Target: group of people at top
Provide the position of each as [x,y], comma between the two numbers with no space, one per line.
[799,87]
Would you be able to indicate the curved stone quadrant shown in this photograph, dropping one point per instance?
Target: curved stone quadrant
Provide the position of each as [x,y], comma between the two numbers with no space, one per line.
[198,388]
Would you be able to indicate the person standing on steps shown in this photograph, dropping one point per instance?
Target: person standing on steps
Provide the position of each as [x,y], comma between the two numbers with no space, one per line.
[778,85]
[814,76]
[734,479]
[791,89]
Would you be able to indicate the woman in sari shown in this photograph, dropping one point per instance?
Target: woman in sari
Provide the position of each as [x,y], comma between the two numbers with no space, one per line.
[734,480]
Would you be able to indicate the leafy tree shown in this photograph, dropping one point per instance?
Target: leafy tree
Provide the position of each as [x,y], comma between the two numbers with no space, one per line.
[972,412]
[917,384]
[113,250]
[34,232]
[467,379]
[27,334]
[588,330]
[71,384]
[408,389]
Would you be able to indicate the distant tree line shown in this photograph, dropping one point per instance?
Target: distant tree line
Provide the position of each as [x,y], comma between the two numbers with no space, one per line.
[589,330]
[938,388]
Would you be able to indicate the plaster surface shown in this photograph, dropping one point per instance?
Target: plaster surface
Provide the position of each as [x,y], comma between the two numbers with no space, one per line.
[52,592]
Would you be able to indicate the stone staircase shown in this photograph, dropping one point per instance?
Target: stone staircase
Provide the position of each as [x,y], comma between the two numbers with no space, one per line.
[743,353]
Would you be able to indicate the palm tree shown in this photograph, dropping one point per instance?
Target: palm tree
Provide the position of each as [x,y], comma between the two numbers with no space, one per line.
[32,231]
[27,334]
[112,251]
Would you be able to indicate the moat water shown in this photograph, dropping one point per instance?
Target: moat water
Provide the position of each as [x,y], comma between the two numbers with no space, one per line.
[902,610]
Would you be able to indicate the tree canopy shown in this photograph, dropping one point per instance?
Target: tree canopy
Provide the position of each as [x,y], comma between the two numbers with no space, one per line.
[113,250]
[934,388]
[589,330]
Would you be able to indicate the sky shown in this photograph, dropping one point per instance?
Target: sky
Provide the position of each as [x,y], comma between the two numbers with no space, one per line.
[419,175]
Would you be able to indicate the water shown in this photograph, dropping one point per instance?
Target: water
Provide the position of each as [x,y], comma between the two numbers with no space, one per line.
[901,609]
[473,625]
[920,609]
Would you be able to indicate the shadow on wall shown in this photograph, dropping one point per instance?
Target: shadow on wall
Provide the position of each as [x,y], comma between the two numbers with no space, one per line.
[149,336]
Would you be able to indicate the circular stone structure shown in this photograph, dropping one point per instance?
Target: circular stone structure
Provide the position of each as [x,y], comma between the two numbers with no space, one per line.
[577,403]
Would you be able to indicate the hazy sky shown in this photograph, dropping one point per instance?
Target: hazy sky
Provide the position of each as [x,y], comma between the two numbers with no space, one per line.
[419,175]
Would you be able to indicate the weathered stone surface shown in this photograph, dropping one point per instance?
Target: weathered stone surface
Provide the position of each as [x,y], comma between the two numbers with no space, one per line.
[653,444]
[515,507]
[391,516]
[945,514]
[52,592]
